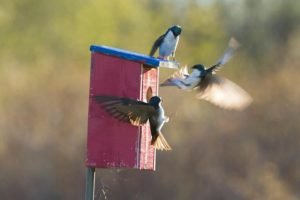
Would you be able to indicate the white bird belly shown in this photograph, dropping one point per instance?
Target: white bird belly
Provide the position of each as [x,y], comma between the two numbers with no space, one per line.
[191,81]
[169,44]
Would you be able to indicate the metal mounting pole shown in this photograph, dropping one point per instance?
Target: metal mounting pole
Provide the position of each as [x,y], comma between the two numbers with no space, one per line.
[90,183]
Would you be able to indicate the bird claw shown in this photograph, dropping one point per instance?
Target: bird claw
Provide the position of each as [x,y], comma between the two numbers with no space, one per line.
[173,59]
[164,58]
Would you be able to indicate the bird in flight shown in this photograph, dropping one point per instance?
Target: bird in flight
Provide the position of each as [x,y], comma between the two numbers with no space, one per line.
[211,87]
[138,113]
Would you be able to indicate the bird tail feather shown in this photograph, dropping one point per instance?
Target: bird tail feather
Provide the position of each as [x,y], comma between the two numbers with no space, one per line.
[160,143]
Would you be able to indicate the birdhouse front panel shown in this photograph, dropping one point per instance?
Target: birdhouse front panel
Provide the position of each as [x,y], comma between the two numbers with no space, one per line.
[112,143]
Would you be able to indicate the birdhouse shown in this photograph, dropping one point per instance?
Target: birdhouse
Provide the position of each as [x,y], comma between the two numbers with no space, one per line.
[112,143]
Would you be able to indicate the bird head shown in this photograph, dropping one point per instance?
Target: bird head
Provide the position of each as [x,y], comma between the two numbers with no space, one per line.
[176,30]
[200,68]
[155,100]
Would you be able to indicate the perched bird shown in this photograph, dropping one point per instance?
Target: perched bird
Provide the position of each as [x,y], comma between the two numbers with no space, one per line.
[138,113]
[167,43]
[215,89]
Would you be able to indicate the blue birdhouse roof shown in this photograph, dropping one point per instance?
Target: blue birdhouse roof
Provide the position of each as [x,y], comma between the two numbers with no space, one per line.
[128,55]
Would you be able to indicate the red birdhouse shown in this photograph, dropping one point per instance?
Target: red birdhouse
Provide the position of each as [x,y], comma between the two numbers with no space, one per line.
[110,142]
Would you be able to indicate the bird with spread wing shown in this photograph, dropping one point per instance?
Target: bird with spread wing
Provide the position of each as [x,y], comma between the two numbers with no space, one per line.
[138,113]
[211,87]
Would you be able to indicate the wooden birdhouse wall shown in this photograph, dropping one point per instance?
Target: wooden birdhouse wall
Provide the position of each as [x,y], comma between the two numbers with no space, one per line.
[111,143]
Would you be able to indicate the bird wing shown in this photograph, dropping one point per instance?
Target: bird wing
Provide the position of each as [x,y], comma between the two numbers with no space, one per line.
[127,110]
[178,78]
[223,93]
[233,45]
[181,73]
[156,44]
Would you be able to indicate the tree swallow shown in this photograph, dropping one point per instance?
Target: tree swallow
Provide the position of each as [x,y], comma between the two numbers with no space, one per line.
[167,43]
[138,113]
[215,89]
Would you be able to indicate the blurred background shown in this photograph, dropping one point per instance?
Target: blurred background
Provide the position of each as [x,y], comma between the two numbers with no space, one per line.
[217,154]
